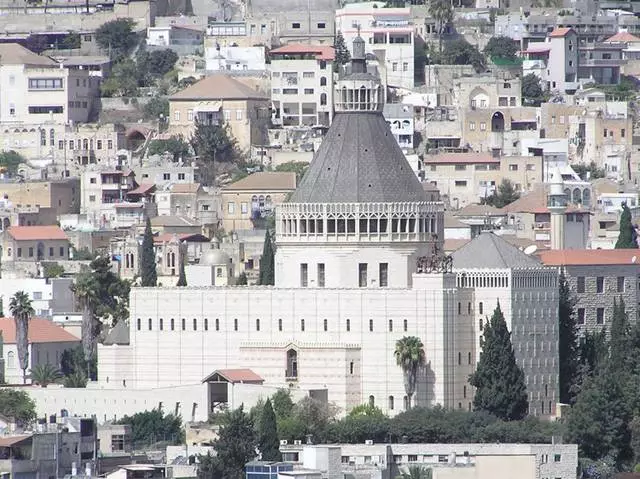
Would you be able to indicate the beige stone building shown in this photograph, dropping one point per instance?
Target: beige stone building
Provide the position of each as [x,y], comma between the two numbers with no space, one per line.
[466,178]
[221,98]
[34,243]
[63,195]
[248,202]
[191,200]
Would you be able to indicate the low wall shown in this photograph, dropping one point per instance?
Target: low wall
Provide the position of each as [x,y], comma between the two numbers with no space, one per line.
[128,104]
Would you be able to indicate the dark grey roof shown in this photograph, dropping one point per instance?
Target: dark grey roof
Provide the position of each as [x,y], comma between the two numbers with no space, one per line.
[119,334]
[359,161]
[488,250]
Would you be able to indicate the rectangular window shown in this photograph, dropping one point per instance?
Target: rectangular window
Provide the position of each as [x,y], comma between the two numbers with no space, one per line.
[19,252]
[304,272]
[623,132]
[362,275]
[580,315]
[620,284]
[50,251]
[44,110]
[295,26]
[557,458]
[461,183]
[371,325]
[308,91]
[580,284]
[244,207]
[308,74]
[394,66]
[176,115]
[45,84]
[30,252]
[110,144]
[60,144]
[61,250]
[99,144]
[238,114]
[513,167]
[480,307]
[321,275]
[600,315]
[322,26]
[231,207]
[227,114]
[483,126]
[472,125]
[600,284]
[405,66]
[117,442]
[383,275]
[190,115]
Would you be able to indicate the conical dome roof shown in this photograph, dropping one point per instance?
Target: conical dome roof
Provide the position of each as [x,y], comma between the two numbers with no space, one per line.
[359,161]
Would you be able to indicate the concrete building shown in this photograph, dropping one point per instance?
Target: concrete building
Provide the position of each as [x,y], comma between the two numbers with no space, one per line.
[223,58]
[247,203]
[162,173]
[49,296]
[597,278]
[183,39]
[34,243]
[191,200]
[105,197]
[388,34]
[221,98]
[302,85]
[62,195]
[37,90]
[464,461]
[47,342]
[400,119]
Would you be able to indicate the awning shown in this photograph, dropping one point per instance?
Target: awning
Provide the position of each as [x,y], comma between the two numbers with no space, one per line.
[208,107]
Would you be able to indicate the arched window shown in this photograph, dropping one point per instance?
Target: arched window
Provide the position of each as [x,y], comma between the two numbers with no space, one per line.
[43,137]
[325,324]
[279,324]
[217,324]
[150,324]
[323,98]
[267,202]
[52,137]
[391,403]
[173,324]
[235,324]
[139,325]
[85,144]
[11,360]
[184,324]
[577,196]
[258,324]
[323,81]
[292,364]
[372,401]
[161,324]
[195,324]
[302,325]
[206,324]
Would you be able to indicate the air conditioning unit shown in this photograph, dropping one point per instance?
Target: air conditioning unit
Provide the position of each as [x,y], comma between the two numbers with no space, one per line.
[297,442]
[284,442]
[368,442]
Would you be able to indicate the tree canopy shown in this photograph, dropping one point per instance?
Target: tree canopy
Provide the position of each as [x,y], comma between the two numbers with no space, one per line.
[151,427]
[532,93]
[22,312]
[17,405]
[117,38]
[267,261]
[148,275]
[342,51]
[627,238]
[11,160]
[501,47]
[176,146]
[499,381]
[504,195]
[567,342]
[459,52]
[268,442]
[410,356]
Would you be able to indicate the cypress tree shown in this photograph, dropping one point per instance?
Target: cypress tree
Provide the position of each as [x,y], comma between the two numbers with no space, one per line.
[269,444]
[568,342]
[182,278]
[267,261]
[627,238]
[619,342]
[342,52]
[499,382]
[148,275]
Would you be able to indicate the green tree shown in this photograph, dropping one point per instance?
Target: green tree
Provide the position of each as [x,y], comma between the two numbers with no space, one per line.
[282,403]
[156,63]
[367,410]
[151,427]
[241,280]
[416,472]
[342,52]
[176,146]
[182,277]
[213,144]
[588,172]
[460,52]
[297,167]
[22,312]
[209,467]
[627,239]
[532,93]
[567,342]
[52,270]
[442,13]
[506,194]
[501,47]
[268,442]
[314,415]
[235,447]
[75,380]
[117,38]
[11,160]
[267,261]
[499,382]
[154,109]
[123,80]
[45,374]
[148,275]
[619,341]
[410,356]
[17,405]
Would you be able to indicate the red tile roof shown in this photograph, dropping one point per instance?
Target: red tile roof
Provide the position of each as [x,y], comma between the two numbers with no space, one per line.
[459,158]
[537,48]
[535,201]
[236,376]
[625,37]
[36,233]
[560,32]
[142,189]
[323,52]
[9,441]
[576,257]
[40,331]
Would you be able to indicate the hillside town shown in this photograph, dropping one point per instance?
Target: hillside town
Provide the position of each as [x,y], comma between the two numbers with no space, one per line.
[321,239]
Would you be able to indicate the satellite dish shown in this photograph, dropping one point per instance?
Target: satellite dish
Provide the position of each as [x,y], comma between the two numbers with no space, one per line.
[633,260]
[529,250]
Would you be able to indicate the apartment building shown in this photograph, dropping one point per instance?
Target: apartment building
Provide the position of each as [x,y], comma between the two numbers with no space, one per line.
[302,85]
[61,195]
[35,89]
[49,296]
[388,34]
[400,120]
[189,199]
[104,197]
[597,278]
[166,172]
[183,39]
[221,98]
[467,178]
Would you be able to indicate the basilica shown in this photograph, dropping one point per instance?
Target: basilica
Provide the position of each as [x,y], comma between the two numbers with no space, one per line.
[358,267]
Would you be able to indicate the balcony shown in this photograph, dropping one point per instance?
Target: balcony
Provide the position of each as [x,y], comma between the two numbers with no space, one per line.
[598,62]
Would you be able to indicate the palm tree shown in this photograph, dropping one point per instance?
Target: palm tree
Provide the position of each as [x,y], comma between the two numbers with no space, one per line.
[416,472]
[22,312]
[410,356]
[75,380]
[442,13]
[45,374]
[85,293]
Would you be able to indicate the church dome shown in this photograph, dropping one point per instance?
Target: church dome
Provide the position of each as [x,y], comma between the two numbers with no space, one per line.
[214,257]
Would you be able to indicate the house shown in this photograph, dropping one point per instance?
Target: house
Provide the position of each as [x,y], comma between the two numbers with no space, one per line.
[61,195]
[105,201]
[36,90]
[191,200]
[47,342]
[183,39]
[49,296]
[302,84]
[249,201]
[34,243]
[221,98]
[400,119]
[231,58]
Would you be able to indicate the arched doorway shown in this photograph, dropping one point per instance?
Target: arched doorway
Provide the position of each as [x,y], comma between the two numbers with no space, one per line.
[40,251]
[292,364]
[497,121]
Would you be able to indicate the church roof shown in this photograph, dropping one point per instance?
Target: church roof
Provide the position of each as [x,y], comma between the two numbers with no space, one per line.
[359,161]
[490,251]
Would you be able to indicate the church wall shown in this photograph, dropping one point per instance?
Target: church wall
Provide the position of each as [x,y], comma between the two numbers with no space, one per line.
[162,358]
